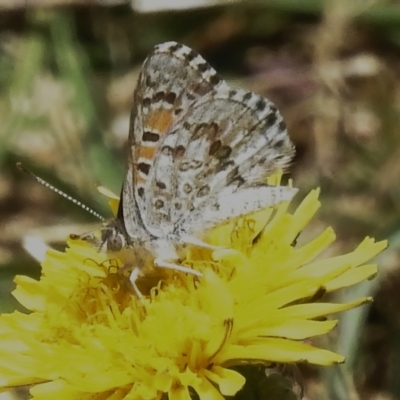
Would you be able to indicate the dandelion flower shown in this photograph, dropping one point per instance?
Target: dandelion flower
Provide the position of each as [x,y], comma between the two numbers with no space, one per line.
[88,336]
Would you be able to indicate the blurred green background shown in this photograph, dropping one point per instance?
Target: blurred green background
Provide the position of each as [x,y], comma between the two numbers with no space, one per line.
[67,73]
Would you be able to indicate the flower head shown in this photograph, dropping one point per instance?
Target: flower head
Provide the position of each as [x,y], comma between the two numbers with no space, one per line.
[89,336]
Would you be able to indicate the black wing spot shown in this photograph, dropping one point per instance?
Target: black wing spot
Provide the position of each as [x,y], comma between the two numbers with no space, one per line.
[215,146]
[223,152]
[203,191]
[184,166]
[271,119]
[215,206]
[261,104]
[224,166]
[247,96]
[148,81]
[203,67]
[190,96]
[213,130]
[179,151]
[200,88]
[170,97]
[146,102]
[282,125]
[232,93]
[199,131]
[209,131]
[161,185]
[175,47]
[190,164]
[178,111]
[159,96]
[215,79]
[232,174]
[167,150]
[187,188]
[196,164]
[150,136]
[144,167]
[238,180]
[192,55]
[158,204]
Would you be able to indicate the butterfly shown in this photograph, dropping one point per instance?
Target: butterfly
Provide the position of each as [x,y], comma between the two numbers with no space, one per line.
[198,155]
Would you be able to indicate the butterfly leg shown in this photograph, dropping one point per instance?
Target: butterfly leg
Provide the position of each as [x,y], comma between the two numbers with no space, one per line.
[187,239]
[133,277]
[161,263]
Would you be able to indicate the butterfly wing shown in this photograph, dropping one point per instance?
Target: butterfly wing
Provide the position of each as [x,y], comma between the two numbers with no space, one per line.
[229,204]
[227,160]
[194,142]
[173,77]
[226,143]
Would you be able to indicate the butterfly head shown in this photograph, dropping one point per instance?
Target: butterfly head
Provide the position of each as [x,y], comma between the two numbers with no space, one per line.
[113,237]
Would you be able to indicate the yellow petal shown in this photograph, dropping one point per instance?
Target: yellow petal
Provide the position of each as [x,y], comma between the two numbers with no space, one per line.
[296,329]
[352,277]
[30,293]
[278,350]
[315,310]
[228,381]
[305,211]
[179,393]
[207,391]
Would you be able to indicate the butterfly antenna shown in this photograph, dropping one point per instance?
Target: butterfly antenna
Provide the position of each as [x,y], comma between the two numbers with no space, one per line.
[61,193]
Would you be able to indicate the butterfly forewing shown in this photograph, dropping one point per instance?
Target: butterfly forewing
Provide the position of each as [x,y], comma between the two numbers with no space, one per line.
[173,78]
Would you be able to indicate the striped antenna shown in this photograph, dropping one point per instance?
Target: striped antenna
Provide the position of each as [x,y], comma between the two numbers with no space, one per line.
[61,193]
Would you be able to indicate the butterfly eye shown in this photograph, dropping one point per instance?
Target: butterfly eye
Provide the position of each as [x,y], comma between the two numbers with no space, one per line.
[113,240]
[116,242]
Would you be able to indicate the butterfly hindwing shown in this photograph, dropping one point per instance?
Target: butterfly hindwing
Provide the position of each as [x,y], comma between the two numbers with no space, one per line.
[227,139]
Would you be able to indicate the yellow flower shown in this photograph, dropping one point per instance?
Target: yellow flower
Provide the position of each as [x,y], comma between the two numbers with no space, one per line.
[88,336]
